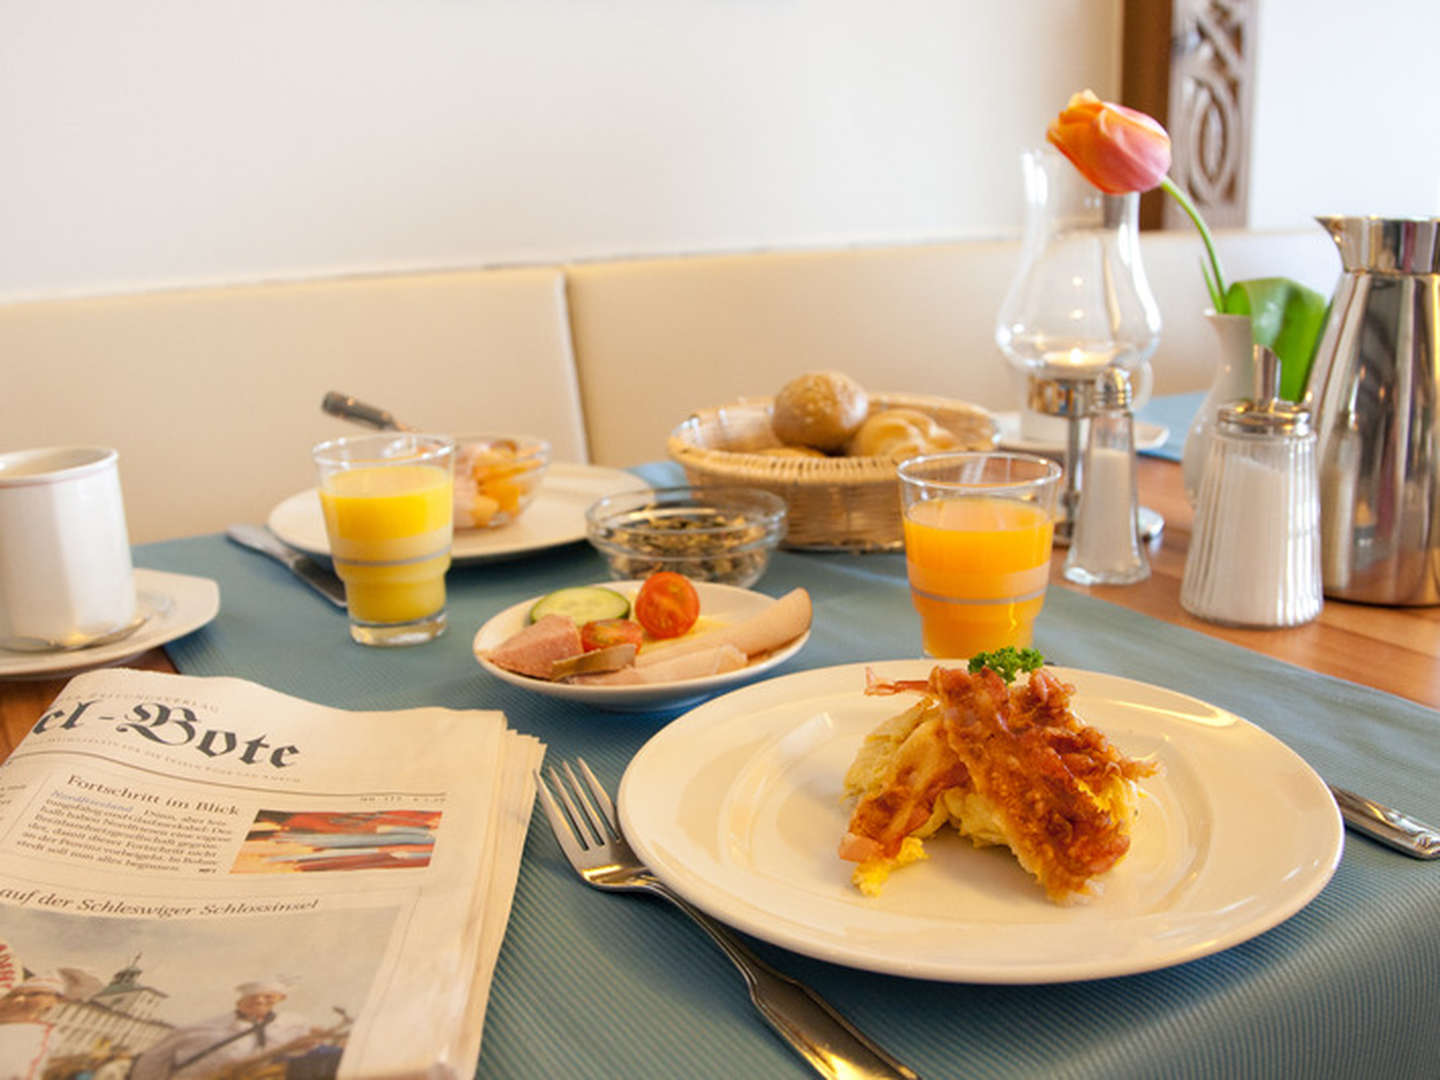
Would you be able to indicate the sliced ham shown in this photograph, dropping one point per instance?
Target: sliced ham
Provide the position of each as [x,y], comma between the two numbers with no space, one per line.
[784,620]
[533,650]
[694,664]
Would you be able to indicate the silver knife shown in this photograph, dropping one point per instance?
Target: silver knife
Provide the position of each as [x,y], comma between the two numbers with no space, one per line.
[319,578]
[1391,827]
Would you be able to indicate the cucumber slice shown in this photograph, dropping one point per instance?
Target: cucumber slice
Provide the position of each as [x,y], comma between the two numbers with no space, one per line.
[583,603]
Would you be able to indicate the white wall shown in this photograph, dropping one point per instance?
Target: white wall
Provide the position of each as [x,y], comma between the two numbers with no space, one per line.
[155,143]
[1346,110]
[152,143]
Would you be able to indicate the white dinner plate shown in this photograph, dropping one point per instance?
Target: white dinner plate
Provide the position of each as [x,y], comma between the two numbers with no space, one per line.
[738,805]
[1148,436]
[176,604]
[556,517]
[722,603]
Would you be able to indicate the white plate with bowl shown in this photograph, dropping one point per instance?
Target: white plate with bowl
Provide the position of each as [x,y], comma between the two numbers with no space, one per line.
[1148,436]
[556,517]
[723,604]
[738,805]
[174,605]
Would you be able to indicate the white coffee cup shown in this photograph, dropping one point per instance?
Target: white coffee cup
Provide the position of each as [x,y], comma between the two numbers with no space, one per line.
[65,571]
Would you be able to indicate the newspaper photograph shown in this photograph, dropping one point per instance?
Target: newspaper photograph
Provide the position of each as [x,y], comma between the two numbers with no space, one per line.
[204,878]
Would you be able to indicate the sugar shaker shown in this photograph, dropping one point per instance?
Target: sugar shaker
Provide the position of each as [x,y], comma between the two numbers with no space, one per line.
[1254,555]
[1105,546]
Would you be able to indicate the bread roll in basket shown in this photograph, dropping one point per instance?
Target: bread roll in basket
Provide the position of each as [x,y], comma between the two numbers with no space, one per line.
[835,503]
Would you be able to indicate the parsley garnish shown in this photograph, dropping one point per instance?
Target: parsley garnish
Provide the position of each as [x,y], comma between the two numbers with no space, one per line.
[1007,662]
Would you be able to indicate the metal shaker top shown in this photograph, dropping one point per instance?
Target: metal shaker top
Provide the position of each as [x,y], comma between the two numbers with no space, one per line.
[1266,415]
[1112,390]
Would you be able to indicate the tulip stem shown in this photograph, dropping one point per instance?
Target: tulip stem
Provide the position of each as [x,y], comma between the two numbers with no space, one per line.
[1214,278]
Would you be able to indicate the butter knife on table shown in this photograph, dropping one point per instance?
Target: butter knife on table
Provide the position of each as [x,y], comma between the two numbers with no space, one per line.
[318,577]
[1387,825]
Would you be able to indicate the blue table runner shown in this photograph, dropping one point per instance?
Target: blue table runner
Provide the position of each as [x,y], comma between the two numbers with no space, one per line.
[590,985]
[1174,411]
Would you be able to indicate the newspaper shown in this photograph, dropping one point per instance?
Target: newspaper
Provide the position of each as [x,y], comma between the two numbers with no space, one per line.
[201,877]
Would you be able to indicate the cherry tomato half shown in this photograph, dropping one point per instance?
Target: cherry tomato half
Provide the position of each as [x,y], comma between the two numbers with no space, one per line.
[667,604]
[602,633]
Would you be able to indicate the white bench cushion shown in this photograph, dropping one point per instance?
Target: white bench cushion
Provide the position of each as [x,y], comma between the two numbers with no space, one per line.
[212,396]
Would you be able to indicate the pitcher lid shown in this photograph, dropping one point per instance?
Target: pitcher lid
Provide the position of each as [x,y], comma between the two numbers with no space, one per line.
[1385,245]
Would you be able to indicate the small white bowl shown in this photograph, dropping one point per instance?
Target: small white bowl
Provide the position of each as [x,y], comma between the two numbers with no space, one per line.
[496,478]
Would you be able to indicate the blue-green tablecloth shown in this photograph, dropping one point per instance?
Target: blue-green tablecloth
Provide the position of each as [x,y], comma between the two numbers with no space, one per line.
[590,985]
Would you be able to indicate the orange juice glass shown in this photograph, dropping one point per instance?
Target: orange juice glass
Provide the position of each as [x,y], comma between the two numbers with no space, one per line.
[388,502]
[978,532]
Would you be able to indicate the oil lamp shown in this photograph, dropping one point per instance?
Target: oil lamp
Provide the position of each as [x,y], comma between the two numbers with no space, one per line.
[1078,306]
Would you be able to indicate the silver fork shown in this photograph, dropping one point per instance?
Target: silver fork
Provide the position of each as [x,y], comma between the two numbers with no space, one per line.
[592,841]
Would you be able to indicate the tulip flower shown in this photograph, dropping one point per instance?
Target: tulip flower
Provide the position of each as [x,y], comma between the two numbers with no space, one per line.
[1122,150]
[1119,150]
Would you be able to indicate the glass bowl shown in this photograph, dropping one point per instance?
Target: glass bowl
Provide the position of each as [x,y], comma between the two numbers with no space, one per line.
[720,534]
[496,478]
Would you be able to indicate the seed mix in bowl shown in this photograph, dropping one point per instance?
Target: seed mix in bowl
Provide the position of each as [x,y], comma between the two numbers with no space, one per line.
[724,535]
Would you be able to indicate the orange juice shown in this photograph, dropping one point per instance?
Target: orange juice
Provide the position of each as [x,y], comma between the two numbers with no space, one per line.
[978,568]
[389,530]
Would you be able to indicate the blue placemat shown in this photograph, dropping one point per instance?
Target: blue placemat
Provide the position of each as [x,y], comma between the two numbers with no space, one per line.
[599,986]
[1174,411]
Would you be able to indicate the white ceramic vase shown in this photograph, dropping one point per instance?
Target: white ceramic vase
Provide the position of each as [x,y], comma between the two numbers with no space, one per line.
[1234,380]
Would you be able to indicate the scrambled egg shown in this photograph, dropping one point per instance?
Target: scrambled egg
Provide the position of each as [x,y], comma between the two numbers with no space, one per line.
[871,874]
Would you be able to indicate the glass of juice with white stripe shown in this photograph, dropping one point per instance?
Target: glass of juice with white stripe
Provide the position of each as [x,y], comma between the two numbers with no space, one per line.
[388,504]
[978,533]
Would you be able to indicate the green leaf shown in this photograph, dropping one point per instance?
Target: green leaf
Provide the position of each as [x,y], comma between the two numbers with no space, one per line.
[1287,317]
[1007,662]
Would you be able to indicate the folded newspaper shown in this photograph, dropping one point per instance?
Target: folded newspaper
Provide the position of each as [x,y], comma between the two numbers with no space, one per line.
[201,877]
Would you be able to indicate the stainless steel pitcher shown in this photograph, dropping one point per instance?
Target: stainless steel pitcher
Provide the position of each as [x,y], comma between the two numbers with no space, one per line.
[1375,387]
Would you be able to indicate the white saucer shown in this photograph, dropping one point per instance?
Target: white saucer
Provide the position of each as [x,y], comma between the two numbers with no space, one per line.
[178,604]
[1147,436]
[556,517]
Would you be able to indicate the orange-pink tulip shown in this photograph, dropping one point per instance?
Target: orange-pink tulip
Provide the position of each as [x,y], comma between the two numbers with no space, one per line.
[1117,149]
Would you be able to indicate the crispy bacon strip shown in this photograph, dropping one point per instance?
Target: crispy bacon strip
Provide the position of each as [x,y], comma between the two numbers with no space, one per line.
[922,767]
[1024,752]
[1029,757]
[876,687]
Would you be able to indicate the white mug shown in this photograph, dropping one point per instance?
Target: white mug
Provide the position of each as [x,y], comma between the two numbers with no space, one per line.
[65,571]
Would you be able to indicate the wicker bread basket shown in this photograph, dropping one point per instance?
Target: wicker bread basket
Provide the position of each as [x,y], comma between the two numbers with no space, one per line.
[835,503]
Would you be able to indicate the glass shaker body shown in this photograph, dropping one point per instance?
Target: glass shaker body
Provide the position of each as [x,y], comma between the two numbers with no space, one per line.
[1254,557]
[1105,547]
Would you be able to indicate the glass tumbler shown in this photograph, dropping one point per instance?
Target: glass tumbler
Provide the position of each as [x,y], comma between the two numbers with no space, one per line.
[388,501]
[978,534]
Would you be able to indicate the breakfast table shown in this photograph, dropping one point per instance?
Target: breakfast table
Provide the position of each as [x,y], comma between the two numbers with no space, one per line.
[594,985]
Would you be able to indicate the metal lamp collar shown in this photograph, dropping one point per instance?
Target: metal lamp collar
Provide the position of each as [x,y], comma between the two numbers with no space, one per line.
[1079,398]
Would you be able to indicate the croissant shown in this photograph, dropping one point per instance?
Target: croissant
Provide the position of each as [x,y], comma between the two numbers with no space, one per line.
[901,433]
